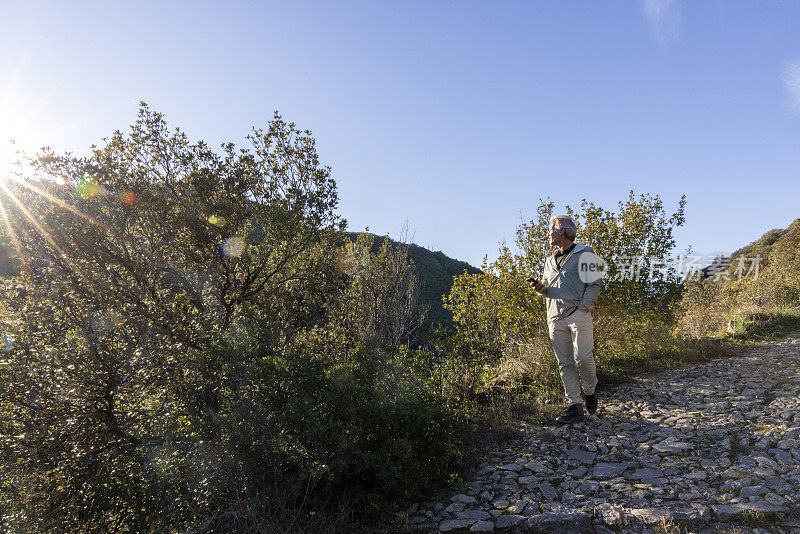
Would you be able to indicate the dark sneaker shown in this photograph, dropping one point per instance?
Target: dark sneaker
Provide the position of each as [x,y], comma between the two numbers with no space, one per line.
[573,414]
[591,403]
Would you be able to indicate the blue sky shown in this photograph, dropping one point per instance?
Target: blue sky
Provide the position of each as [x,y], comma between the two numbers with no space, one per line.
[454,116]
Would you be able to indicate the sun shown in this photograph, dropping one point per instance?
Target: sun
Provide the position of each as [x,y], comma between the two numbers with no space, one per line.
[21,122]
[25,122]
[20,127]
[12,127]
[7,157]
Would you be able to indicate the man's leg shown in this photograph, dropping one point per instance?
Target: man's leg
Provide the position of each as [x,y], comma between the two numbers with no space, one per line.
[583,337]
[561,338]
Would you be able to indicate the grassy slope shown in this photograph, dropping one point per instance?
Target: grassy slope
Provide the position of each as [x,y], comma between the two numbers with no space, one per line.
[770,241]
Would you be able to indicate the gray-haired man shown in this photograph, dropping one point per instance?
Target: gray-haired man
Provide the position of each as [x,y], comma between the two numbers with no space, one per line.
[570,292]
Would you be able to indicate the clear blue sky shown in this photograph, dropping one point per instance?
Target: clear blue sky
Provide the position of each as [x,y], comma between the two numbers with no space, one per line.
[456,116]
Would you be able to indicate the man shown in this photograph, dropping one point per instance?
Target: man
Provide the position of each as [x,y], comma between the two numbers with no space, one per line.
[570,290]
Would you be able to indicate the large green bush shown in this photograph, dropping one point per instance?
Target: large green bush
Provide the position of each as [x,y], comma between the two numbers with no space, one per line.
[166,362]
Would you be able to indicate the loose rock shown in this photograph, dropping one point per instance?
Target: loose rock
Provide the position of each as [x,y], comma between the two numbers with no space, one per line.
[705,445]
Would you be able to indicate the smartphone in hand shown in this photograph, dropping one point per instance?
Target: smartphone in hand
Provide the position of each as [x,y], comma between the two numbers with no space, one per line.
[536,283]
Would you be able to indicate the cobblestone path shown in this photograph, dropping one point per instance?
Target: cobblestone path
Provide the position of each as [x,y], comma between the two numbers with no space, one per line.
[707,448]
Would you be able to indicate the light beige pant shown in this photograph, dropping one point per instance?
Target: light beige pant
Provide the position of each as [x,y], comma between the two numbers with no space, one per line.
[573,343]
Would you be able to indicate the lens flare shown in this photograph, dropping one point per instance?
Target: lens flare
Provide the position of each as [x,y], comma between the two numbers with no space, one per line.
[6,342]
[127,197]
[217,220]
[88,188]
[233,247]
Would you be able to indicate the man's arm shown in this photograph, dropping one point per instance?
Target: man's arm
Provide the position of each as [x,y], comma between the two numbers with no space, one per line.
[540,284]
[545,287]
[536,284]
[589,296]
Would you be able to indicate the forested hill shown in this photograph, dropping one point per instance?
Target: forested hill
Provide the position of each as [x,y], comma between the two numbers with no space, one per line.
[774,246]
[435,272]
[779,245]
[779,248]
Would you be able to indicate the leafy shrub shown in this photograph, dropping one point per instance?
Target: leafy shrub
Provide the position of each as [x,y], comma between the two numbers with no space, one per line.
[706,307]
[769,284]
[167,363]
[381,301]
[499,317]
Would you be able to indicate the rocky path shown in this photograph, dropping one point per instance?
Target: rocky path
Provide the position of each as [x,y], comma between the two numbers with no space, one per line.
[707,448]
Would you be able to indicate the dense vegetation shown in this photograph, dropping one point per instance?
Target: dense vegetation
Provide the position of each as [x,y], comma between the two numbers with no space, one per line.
[754,292]
[193,342]
[187,348]
[434,273]
[501,347]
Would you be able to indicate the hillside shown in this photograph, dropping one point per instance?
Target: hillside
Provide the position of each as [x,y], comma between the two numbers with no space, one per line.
[435,272]
[771,281]
[774,244]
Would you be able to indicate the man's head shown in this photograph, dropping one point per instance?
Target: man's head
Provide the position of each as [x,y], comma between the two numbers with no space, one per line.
[562,231]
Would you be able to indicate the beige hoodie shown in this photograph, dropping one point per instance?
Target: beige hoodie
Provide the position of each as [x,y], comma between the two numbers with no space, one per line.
[564,290]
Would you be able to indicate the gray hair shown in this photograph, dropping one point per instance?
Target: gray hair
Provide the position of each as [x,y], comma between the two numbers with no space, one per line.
[565,222]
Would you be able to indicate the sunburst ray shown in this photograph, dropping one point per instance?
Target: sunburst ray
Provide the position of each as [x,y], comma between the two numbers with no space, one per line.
[11,233]
[42,230]
[60,203]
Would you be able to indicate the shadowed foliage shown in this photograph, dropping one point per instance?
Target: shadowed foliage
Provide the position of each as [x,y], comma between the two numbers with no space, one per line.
[183,349]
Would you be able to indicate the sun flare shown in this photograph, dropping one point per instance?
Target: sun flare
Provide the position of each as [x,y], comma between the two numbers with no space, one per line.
[25,124]
[7,158]
[11,128]
[22,124]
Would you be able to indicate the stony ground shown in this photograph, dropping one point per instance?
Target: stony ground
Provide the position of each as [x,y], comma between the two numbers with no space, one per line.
[707,448]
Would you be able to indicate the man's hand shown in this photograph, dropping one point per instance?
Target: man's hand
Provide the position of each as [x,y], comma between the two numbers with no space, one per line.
[536,284]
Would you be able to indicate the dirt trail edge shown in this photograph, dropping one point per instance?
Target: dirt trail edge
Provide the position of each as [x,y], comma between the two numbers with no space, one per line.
[706,448]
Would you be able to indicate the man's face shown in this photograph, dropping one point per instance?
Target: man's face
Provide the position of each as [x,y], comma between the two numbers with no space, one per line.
[554,235]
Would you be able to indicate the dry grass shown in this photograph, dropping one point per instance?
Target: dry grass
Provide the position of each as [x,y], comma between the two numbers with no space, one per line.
[527,384]
[667,527]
